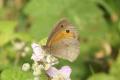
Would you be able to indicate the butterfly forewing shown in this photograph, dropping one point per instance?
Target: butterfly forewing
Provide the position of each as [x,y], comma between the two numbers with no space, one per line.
[63,41]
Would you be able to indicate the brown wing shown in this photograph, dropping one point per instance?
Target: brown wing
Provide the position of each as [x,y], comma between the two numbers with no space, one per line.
[63,41]
[58,27]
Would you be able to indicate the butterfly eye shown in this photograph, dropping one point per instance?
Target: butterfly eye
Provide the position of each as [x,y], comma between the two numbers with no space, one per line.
[67,31]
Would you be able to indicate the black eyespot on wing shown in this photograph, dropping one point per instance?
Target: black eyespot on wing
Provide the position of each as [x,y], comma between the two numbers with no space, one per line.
[62,26]
[67,31]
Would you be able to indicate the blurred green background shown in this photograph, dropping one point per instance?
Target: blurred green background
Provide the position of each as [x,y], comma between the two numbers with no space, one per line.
[25,21]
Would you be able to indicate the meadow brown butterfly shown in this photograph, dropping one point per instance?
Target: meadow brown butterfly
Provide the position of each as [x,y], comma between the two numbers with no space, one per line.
[63,41]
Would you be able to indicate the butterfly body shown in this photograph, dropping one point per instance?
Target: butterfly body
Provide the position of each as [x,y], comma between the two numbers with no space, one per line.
[63,41]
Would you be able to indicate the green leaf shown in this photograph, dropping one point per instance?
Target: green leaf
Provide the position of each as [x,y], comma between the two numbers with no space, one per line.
[115,68]
[113,75]
[43,41]
[16,73]
[6,31]
[4,60]
[101,76]
[119,26]
[2,13]
[23,36]
[114,5]
[44,76]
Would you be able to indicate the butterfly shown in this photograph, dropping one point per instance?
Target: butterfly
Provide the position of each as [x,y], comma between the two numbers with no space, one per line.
[63,41]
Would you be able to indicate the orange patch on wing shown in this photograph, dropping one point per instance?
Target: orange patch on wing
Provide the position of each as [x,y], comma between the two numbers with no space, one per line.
[60,36]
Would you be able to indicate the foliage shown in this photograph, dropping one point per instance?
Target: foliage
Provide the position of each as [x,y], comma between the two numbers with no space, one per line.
[113,75]
[15,74]
[7,32]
